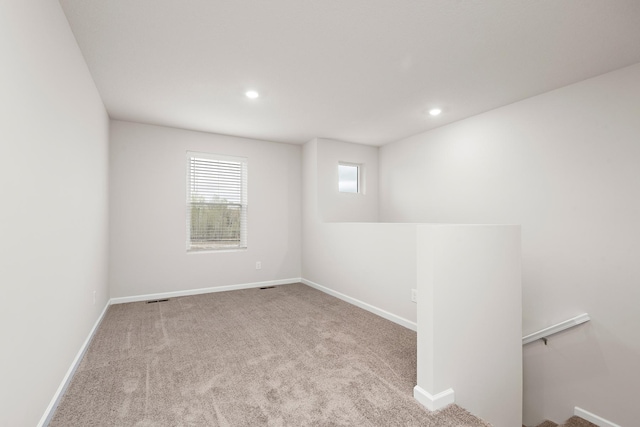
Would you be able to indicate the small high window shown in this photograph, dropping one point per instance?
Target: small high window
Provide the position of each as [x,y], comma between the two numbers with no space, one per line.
[349,178]
[216,202]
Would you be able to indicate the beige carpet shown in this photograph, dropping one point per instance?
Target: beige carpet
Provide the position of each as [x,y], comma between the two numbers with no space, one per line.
[571,422]
[287,356]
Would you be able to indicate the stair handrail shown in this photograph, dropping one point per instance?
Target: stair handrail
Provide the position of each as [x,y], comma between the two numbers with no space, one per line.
[559,327]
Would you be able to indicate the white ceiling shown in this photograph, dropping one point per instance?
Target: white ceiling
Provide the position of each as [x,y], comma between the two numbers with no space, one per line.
[362,71]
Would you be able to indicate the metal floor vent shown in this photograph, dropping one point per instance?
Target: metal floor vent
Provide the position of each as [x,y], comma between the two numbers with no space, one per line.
[157,300]
[268,287]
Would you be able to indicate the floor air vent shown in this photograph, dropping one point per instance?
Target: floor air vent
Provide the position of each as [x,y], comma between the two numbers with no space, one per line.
[157,300]
[268,287]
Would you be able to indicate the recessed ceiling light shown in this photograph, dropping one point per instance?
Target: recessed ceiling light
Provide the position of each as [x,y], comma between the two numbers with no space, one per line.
[435,111]
[252,94]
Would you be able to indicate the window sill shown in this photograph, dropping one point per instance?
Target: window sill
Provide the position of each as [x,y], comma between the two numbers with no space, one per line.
[214,251]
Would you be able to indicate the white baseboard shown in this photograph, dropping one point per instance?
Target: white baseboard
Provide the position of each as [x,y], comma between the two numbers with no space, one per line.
[434,402]
[48,413]
[174,294]
[375,310]
[599,421]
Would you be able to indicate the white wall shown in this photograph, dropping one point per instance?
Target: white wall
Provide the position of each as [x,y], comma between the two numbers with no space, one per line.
[372,263]
[470,318]
[148,207]
[347,207]
[565,165]
[53,221]
[375,266]
[354,259]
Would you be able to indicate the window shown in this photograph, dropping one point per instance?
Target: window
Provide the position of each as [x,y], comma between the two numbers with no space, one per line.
[349,178]
[216,202]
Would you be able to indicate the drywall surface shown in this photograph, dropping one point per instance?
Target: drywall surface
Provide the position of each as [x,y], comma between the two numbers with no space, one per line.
[148,212]
[564,165]
[347,207]
[474,272]
[373,263]
[470,317]
[53,221]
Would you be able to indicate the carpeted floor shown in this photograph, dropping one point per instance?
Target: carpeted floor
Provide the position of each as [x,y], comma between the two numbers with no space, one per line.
[287,356]
[571,422]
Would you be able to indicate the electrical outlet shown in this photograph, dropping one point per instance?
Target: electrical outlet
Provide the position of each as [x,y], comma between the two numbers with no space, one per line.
[414,295]
[94,297]
[258,265]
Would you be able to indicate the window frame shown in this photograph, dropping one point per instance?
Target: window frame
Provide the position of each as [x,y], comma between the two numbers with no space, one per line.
[359,178]
[244,210]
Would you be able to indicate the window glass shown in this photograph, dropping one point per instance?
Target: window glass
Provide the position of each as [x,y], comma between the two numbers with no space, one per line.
[348,178]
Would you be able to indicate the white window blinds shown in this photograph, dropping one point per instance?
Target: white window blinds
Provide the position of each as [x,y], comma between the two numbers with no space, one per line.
[216,202]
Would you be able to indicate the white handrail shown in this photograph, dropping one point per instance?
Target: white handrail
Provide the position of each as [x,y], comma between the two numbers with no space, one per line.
[544,333]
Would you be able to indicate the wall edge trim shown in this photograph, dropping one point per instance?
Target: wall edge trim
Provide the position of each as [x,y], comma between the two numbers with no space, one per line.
[593,418]
[434,402]
[365,306]
[66,380]
[188,292]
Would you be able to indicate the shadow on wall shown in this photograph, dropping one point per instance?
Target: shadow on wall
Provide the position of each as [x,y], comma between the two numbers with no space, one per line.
[580,354]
